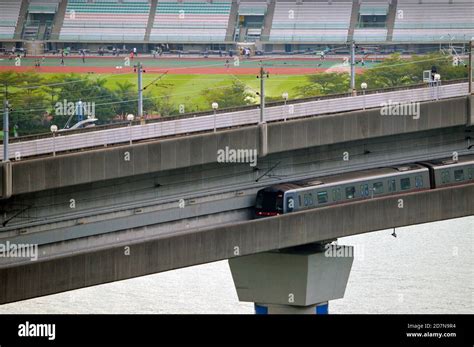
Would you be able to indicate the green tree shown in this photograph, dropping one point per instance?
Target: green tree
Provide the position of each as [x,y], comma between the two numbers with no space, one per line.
[395,71]
[234,95]
[27,102]
[324,84]
[126,97]
[77,88]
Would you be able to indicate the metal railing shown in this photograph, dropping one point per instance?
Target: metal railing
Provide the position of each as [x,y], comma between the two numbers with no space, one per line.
[64,142]
[122,124]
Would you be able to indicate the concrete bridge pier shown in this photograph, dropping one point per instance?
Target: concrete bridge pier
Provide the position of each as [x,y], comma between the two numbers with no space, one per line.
[299,280]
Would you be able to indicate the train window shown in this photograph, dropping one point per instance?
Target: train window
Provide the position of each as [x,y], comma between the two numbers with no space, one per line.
[364,190]
[308,199]
[279,202]
[445,176]
[378,188]
[405,183]
[336,194]
[459,175]
[322,197]
[259,202]
[299,199]
[418,181]
[392,186]
[470,174]
[350,192]
[269,201]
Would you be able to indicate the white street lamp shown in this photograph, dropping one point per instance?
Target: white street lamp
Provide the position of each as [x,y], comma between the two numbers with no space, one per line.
[363,85]
[54,130]
[130,118]
[284,95]
[215,106]
[437,83]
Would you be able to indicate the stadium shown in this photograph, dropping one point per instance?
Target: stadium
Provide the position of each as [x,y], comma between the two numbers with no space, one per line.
[199,26]
[195,46]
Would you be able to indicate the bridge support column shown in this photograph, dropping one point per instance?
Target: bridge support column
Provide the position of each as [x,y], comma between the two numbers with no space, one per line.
[300,280]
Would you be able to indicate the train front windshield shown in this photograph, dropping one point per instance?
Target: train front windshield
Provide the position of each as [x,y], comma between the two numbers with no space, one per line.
[269,203]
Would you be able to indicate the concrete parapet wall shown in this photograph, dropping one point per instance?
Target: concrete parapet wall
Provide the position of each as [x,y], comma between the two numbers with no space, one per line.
[110,163]
[201,246]
[357,125]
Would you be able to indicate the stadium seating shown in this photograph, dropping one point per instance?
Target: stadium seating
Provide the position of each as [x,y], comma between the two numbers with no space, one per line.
[434,20]
[191,21]
[292,22]
[9,12]
[322,21]
[105,20]
[372,32]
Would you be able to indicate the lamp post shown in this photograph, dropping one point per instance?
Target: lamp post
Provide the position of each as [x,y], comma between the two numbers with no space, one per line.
[363,85]
[437,83]
[54,130]
[130,118]
[215,106]
[285,98]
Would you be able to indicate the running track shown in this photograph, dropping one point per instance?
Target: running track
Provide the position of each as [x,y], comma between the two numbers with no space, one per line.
[176,70]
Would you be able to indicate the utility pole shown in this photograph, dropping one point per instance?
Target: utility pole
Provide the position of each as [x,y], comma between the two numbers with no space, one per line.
[262,126]
[353,90]
[471,68]
[5,126]
[262,76]
[140,91]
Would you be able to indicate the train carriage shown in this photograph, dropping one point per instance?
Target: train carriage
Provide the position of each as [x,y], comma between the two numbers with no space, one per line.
[359,185]
[447,172]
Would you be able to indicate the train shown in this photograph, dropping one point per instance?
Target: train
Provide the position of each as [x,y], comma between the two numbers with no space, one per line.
[366,184]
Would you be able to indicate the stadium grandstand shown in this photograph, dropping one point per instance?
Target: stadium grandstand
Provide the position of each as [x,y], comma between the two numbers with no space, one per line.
[105,20]
[199,25]
[317,21]
[10,11]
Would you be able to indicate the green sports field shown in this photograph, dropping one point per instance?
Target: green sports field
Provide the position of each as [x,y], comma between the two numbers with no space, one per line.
[187,89]
[185,79]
